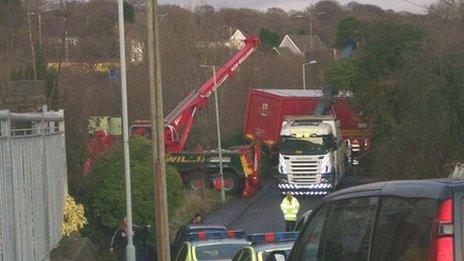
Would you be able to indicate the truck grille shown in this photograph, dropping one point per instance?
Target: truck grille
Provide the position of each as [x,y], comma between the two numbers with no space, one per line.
[302,170]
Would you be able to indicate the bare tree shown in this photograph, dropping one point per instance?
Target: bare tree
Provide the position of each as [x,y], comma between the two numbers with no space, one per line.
[28,10]
[65,8]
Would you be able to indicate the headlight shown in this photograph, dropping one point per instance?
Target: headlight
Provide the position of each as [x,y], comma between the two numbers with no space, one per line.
[326,164]
[282,167]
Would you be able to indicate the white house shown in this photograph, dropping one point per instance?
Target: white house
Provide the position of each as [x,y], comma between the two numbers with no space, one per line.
[301,44]
[236,41]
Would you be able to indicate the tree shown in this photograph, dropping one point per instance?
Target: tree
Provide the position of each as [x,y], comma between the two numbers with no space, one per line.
[205,9]
[269,39]
[349,28]
[342,75]
[129,14]
[104,197]
[451,10]
[274,11]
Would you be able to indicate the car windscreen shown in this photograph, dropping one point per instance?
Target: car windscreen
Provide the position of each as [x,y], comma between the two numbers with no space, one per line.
[219,251]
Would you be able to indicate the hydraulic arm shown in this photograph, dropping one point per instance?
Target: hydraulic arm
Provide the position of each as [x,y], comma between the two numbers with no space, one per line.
[179,122]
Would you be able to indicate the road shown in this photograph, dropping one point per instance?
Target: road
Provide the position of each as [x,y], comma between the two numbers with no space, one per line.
[258,214]
[261,213]
[265,214]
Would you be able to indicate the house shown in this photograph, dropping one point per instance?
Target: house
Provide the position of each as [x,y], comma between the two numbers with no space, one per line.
[301,45]
[236,40]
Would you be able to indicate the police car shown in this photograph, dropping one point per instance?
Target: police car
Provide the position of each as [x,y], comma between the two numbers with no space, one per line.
[183,234]
[208,245]
[267,244]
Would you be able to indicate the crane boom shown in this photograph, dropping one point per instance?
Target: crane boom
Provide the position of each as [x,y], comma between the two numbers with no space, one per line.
[179,121]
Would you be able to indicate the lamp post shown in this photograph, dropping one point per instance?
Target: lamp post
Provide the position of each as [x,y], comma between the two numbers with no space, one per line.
[218,126]
[130,249]
[304,71]
[311,29]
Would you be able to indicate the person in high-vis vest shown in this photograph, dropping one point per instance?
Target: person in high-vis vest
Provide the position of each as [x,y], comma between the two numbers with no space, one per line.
[290,207]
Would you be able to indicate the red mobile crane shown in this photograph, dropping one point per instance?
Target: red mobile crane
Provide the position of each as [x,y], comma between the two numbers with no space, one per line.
[179,122]
[200,168]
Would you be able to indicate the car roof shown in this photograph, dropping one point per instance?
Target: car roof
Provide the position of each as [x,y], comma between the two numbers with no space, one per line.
[429,188]
[273,246]
[205,227]
[219,241]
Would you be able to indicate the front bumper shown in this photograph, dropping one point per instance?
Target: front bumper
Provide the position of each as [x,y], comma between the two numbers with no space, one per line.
[318,189]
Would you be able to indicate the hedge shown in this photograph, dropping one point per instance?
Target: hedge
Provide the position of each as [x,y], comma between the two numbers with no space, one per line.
[105,198]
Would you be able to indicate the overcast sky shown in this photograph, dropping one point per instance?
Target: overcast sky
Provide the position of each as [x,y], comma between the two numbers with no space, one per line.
[397,5]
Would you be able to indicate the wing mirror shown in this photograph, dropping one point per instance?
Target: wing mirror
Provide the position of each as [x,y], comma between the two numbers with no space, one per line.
[277,256]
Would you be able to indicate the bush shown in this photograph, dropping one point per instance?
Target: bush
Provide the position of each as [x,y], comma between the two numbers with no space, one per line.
[73,217]
[105,200]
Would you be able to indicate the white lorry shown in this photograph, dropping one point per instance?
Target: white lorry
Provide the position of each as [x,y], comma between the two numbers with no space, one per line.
[312,155]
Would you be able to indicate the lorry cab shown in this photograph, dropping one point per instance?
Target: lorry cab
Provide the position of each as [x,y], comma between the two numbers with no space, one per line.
[312,155]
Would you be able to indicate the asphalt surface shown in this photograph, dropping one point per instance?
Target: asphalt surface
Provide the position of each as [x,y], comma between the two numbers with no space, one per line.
[261,213]
[258,214]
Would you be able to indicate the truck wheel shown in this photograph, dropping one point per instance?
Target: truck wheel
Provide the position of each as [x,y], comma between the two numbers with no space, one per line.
[232,184]
[197,182]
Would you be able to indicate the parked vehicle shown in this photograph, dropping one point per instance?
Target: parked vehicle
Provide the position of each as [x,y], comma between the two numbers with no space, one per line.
[281,118]
[200,168]
[183,234]
[263,245]
[398,220]
[267,108]
[206,245]
[302,221]
[312,155]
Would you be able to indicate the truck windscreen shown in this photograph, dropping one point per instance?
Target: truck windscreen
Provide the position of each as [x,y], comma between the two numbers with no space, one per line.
[310,146]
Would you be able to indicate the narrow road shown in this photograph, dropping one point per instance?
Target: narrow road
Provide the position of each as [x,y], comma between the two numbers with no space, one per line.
[258,214]
[265,215]
[261,213]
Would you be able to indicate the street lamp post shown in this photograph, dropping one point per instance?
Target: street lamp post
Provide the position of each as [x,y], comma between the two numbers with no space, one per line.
[130,249]
[218,126]
[311,29]
[304,71]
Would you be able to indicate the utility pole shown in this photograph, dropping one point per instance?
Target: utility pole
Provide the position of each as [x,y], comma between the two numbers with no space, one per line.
[157,123]
[310,34]
[218,126]
[221,170]
[130,249]
[304,76]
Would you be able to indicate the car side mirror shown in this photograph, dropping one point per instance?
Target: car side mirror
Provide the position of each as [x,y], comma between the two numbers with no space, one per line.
[277,256]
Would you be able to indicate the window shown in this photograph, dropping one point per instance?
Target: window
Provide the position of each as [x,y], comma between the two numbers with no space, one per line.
[244,255]
[404,229]
[302,221]
[219,251]
[348,230]
[312,236]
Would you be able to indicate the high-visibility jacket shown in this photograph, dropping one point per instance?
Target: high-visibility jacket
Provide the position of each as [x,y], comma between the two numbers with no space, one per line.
[290,208]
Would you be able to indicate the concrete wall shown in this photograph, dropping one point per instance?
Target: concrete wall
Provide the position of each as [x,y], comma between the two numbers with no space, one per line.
[33,184]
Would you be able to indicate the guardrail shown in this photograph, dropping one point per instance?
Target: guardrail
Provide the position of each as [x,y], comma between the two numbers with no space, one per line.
[33,184]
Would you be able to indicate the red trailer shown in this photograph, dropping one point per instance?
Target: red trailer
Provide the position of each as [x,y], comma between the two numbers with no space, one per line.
[267,108]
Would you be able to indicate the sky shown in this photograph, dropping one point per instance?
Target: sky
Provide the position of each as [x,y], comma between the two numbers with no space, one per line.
[397,5]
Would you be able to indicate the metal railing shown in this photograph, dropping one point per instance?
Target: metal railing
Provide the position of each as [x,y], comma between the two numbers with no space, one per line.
[33,184]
